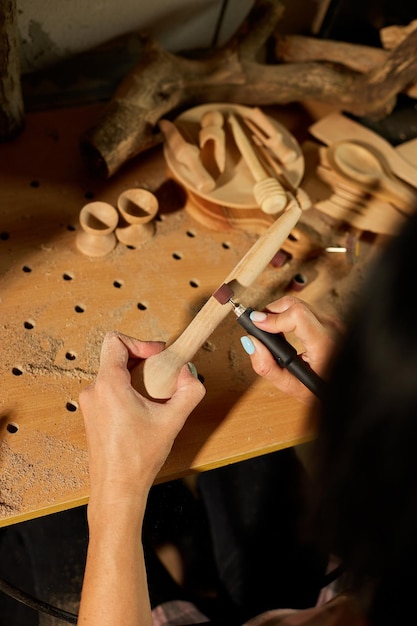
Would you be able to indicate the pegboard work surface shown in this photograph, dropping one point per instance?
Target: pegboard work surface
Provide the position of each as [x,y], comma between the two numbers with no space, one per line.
[56,305]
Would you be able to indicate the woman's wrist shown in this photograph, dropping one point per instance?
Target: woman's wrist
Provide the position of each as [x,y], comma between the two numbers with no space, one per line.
[108,508]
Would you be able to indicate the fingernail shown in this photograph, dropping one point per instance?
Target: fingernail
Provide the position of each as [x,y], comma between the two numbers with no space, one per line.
[192,369]
[257,316]
[247,345]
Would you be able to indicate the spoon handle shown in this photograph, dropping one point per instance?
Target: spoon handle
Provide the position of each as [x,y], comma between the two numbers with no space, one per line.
[399,194]
[159,373]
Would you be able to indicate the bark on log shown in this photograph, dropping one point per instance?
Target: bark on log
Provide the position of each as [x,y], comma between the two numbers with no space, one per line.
[301,49]
[360,58]
[163,82]
[11,100]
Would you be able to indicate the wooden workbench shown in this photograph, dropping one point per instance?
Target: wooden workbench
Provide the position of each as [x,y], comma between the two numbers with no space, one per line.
[56,305]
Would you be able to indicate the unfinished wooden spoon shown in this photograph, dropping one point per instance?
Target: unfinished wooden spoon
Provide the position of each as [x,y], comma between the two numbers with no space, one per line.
[362,165]
[261,125]
[188,154]
[159,373]
[212,135]
[336,127]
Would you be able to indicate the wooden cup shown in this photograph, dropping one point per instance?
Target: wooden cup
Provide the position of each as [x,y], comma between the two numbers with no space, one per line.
[138,208]
[98,221]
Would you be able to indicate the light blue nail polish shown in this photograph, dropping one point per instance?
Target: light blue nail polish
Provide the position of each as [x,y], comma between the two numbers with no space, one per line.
[257,316]
[192,369]
[247,345]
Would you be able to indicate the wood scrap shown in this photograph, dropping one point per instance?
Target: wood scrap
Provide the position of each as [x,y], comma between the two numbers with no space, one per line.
[391,36]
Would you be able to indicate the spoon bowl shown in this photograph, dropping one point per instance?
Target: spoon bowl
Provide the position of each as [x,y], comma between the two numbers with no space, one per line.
[362,165]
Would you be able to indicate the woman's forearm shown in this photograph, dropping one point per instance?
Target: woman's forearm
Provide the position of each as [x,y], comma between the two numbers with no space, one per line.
[115,587]
[129,438]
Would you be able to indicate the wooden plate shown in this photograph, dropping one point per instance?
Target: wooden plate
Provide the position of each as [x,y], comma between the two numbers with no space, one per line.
[234,185]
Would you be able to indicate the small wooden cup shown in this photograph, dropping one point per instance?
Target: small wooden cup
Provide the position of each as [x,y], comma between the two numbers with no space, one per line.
[98,221]
[138,207]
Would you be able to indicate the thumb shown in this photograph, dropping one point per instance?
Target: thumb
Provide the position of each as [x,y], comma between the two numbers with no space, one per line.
[188,393]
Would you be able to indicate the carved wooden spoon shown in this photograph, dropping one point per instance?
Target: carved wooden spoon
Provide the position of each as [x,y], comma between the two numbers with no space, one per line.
[362,165]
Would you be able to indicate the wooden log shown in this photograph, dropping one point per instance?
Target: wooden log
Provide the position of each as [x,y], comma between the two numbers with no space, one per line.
[163,82]
[302,49]
[11,99]
[360,58]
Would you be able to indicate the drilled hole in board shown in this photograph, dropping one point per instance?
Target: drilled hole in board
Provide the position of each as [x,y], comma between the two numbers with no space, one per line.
[177,256]
[194,284]
[29,324]
[71,406]
[4,236]
[70,356]
[300,279]
[79,308]
[190,233]
[17,371]
[12,427]
[226,245]
[27,269]
[298,282]
[141,306]
[68,276]
[71,227]
[118,284]
[35,184]
[89,195]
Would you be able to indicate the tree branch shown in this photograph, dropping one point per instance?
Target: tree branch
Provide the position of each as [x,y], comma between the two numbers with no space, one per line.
[163,82]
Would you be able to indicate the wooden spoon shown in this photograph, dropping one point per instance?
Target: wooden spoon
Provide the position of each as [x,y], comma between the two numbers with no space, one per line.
[189,155]
[212,133]
[363,166]
[158,374]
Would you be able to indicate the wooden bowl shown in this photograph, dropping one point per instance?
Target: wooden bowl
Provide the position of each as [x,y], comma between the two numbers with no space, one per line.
[235,184]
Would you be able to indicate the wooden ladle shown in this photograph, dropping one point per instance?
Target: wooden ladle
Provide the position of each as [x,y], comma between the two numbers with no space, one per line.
[362,165]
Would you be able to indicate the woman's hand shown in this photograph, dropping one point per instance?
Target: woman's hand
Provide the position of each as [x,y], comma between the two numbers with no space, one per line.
[129,436]
[290,315]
